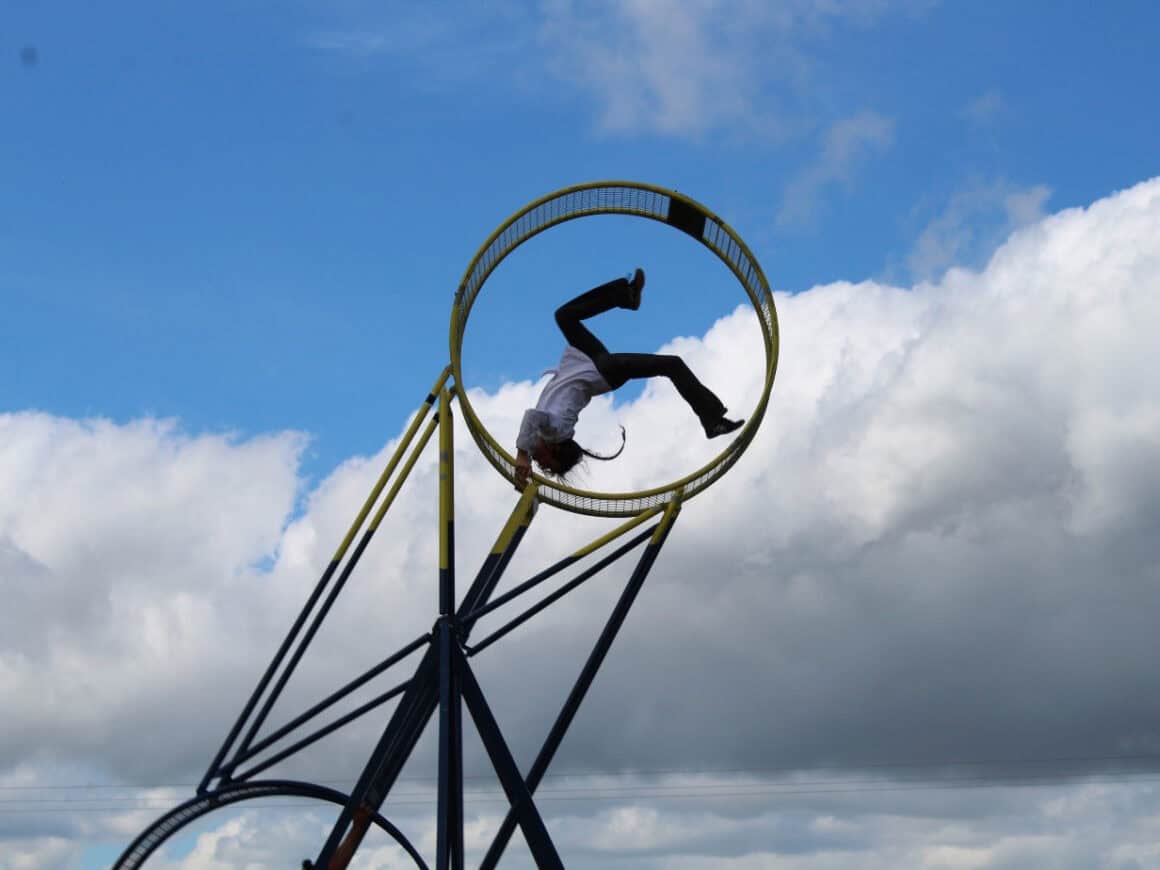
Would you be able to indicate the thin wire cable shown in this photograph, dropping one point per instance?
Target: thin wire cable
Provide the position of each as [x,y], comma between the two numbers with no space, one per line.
[700,771]
[676,791]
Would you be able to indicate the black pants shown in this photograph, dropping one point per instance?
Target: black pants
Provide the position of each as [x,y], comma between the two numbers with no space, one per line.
[617,368]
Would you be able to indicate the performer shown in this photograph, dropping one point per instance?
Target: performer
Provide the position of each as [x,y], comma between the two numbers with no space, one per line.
[587,369]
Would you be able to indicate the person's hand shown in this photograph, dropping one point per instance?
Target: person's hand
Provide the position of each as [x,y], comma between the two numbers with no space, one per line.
[523,469]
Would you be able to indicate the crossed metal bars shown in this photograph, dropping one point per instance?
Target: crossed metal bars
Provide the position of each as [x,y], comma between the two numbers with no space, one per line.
[443,679]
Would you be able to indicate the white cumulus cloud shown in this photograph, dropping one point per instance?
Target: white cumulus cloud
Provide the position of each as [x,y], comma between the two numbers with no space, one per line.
[939,550]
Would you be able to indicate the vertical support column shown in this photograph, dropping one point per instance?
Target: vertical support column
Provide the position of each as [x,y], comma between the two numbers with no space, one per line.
[449,838]
[446,506]
[421,699]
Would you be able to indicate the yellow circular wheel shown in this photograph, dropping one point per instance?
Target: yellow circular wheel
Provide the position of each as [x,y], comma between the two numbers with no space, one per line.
[638,200]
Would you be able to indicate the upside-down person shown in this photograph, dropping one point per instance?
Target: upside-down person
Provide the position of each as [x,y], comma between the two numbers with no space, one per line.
[587,369]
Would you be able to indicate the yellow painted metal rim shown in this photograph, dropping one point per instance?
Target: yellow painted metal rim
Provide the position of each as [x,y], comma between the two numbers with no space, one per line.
[603,198]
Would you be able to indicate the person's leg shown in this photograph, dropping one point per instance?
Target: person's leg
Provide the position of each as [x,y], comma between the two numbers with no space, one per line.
[613,294]
[618,368]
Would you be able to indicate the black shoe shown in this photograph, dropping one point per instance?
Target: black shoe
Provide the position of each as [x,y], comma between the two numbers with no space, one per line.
[635,286]
[721,426]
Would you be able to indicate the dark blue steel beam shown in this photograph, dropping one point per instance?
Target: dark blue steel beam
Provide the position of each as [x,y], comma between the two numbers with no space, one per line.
[305,642]
[558,594]
[449,837]
[472,611]
[215,765]
[584,681]
[393,749]
[164,828]
[329,701]
[418,704]
[523,808]
[323,732]
[215,768]
[449,826]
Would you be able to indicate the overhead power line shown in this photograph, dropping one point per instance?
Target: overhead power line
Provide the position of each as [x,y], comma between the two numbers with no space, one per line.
[621,773]
[627,792]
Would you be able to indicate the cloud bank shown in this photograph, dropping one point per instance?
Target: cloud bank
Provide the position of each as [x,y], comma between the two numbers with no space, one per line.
[940,550]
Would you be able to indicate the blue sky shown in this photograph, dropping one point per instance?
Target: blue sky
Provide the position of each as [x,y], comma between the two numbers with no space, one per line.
[252,216]
[229,240]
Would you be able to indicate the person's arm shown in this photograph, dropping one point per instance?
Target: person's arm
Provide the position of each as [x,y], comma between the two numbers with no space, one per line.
[523,468]
[531,429]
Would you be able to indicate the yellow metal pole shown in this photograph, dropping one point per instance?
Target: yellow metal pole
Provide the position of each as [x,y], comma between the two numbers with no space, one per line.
[403,475]
[496,561]
[394,461]
[617,532]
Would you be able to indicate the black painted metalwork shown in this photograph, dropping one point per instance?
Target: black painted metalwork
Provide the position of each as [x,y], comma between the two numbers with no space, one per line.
[557,595]
[584,681]
[523,808]
[334,698]
[443,680]
[177,818]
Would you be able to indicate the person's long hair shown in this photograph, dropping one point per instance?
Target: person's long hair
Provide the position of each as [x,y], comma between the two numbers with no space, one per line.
[569,454]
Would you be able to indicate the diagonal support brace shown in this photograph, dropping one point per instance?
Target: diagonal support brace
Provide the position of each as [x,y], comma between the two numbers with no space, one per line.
[584,681]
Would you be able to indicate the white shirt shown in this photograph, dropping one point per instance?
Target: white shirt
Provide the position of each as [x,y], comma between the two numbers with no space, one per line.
[575,380]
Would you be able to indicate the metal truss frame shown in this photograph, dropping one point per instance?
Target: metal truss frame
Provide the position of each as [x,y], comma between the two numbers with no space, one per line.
[442,681]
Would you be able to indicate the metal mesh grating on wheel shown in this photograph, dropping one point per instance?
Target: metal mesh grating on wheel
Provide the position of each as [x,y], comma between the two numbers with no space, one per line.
[622,198]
